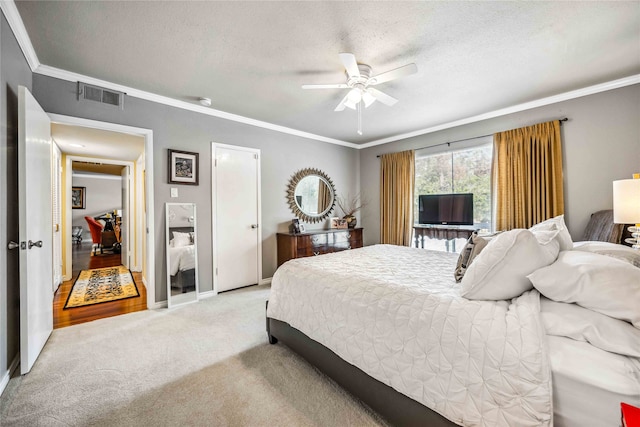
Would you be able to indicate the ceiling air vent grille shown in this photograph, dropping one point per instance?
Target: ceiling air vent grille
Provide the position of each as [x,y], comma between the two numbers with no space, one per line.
[88,92]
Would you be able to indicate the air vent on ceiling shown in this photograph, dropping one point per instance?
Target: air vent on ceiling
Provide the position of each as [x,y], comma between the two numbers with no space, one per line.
[88,92]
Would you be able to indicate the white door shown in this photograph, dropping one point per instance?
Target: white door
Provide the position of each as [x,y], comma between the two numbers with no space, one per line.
[124,226]
[236,217]
[36,241]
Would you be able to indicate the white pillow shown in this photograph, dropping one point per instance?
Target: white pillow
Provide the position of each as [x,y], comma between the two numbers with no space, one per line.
[557,223]
[549,242]
[181,239]
[597,282]
[621,252]
[581,324]
[499,271]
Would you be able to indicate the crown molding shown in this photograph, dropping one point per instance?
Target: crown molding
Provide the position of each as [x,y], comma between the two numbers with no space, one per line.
[589,90]
[148,96]
[15,22]
[17,26]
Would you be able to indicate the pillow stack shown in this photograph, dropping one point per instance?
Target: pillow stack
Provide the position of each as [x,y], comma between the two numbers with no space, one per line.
[496,267]
[181,239]
[598,282]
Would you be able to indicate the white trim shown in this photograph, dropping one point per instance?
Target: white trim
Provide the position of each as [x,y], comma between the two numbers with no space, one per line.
[69,220]
[137,93]
[137,261]
[207,294]
[7,375]
[578,93]
[590,90]
[149,196]
[214,254]
[266,281]
[17,26]
[157,305]
[97,176]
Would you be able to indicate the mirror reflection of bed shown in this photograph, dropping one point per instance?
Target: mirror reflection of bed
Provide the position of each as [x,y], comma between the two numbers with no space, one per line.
[182,258]
[182,283]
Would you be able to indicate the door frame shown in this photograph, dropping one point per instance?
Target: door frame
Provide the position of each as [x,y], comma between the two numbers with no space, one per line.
[214,236]
[149,276]
[68,167]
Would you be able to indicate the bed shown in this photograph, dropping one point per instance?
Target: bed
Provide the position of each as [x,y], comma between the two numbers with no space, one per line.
[182,259]
[390,325]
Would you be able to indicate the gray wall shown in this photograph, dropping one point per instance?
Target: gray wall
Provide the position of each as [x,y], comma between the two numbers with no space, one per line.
[103,193]
[601,144]
[14,71]
[282,155]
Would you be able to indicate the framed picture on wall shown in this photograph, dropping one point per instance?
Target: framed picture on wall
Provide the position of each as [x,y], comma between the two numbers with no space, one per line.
[78,197]
[183,167]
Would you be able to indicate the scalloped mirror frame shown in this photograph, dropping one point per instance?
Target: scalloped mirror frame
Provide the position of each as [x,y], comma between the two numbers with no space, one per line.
[291,190]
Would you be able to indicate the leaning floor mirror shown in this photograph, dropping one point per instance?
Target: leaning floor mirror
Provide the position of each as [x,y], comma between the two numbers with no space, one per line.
[182,254]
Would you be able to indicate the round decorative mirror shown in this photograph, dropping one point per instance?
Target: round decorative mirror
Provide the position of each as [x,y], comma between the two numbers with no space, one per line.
[311,195]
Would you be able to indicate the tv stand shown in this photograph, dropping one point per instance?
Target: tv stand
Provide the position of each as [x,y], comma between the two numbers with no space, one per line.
[420,232]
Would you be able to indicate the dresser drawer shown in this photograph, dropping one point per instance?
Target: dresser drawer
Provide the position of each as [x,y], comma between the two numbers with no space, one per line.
[316,243]
[312,241]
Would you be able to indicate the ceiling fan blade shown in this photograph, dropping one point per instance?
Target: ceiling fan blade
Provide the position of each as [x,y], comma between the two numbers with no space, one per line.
[342,105]
[349,62]
[382,97]
[403,71]
[333,86]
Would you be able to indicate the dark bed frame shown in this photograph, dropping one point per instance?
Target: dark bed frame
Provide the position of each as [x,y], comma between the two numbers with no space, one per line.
[395,407]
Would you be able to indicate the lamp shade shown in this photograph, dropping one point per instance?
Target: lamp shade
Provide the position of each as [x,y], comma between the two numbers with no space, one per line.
[626,201]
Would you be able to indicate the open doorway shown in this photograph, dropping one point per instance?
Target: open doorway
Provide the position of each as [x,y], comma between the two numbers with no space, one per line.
[97,216]
[103,218]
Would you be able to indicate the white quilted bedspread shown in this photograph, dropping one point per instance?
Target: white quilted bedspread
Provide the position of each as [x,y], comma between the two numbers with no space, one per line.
[397,314]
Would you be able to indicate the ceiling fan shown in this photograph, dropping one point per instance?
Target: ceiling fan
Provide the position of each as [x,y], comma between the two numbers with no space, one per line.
[360,81]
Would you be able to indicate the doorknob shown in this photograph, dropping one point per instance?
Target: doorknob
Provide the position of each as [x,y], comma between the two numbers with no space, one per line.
[32,244]
[13,245]
[254,225]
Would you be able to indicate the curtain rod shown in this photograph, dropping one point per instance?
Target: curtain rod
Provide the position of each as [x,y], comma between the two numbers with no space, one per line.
[564,119]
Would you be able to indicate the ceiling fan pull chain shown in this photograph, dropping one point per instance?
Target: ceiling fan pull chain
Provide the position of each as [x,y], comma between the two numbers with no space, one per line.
[360,118]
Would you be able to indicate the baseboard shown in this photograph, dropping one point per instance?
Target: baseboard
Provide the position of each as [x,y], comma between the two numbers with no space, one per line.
[161,304]
[207,294]
[7,376]
[266,281]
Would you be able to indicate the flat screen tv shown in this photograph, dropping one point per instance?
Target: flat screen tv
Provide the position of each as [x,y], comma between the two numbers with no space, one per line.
[446,209]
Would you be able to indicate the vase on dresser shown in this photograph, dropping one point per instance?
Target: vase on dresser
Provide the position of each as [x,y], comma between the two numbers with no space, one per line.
[351,221]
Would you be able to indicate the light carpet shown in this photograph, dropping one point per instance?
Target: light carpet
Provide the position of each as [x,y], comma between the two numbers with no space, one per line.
[100,285]
[206,363]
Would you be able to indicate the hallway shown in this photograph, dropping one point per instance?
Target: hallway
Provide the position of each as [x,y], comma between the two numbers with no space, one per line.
[82,260]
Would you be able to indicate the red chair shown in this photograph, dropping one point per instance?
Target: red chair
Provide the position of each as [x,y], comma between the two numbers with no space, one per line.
[100,238]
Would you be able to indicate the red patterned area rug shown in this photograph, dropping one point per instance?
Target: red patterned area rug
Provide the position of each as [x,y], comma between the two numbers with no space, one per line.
[102,285]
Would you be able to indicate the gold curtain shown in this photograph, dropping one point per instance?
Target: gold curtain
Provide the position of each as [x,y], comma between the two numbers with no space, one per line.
[396,197]
[527,175]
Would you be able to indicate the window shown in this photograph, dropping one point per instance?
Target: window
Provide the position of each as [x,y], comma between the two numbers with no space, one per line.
[467,170]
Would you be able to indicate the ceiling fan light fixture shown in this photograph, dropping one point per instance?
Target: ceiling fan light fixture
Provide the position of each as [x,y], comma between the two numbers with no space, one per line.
[355,95]
[359,81]
[368,99]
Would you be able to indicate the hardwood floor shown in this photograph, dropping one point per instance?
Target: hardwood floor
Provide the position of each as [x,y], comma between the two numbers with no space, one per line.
[82,260]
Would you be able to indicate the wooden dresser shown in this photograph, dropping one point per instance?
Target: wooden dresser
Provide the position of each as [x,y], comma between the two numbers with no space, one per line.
[316,242]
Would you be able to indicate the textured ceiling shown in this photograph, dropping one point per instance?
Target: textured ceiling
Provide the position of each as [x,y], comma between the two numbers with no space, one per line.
[252,57]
